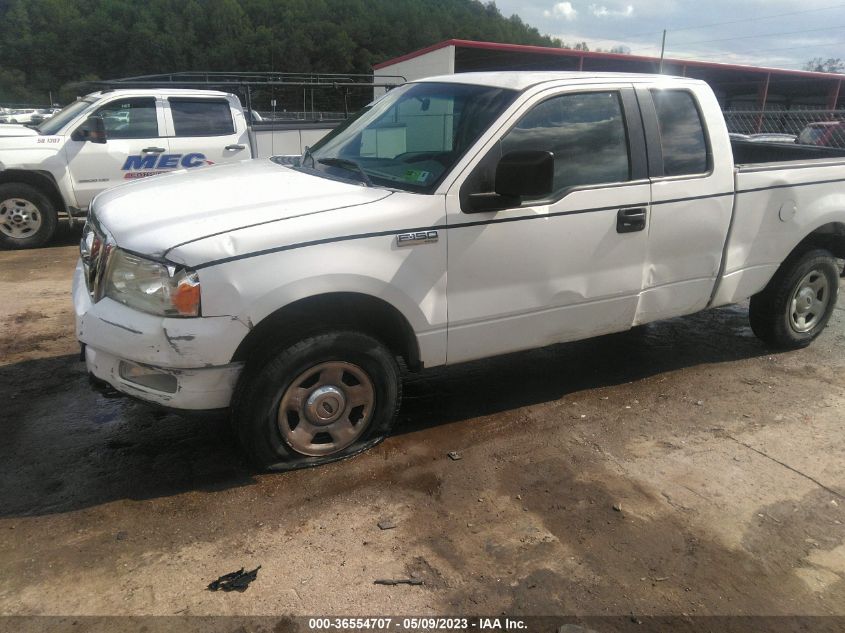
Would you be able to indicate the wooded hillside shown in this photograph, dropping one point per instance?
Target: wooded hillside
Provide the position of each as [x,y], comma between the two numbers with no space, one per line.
[47,44]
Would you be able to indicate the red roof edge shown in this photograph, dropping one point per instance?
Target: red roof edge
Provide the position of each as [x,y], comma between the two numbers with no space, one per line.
[570,52]
[419,52]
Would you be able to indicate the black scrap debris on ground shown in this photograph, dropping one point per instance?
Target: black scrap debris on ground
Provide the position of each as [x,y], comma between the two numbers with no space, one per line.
[235,581]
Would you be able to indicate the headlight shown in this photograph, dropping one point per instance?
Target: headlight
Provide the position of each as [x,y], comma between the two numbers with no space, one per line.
[152,287]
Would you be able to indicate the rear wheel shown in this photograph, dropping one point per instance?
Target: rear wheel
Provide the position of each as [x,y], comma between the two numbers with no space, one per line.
[27,217]
[798,302]
[327,397]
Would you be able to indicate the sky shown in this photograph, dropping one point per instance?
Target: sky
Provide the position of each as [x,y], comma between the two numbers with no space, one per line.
[777,33]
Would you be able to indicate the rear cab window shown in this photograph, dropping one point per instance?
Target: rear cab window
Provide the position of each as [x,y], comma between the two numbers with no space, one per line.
[683,139]
[201,117]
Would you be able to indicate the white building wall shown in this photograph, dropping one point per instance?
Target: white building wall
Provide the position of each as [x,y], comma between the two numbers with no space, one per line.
[437,62]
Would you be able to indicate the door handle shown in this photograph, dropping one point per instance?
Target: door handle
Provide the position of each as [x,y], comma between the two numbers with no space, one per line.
[235,147]
[631,220]
[153,150]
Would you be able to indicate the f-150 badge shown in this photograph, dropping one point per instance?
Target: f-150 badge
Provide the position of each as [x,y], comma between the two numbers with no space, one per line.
[418,237]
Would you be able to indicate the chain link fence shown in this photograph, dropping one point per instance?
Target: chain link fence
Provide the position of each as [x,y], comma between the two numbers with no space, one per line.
[269,115]
[792,122]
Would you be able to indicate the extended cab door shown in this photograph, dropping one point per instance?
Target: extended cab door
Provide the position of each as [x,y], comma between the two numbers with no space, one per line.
[205,131]
[691,167]
[564,267]
[135,143]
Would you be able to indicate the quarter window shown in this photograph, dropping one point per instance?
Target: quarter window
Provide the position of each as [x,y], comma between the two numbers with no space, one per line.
[585,132]
[201,117]
[130,118]
[681,133]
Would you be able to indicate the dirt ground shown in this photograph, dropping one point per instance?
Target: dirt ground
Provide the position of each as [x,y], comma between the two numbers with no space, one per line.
[680,468]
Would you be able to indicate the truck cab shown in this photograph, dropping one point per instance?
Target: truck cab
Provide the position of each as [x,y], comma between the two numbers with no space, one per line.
[105,139]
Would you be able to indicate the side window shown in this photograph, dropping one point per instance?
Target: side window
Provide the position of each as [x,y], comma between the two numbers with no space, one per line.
[130,118]
[681,133]
[201,117]
[585,131]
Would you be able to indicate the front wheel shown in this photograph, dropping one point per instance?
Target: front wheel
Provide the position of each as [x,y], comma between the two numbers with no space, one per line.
[27,217]
[327,397]
[798,302]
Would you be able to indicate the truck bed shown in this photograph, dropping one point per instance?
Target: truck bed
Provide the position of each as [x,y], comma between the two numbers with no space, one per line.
[782,190]
[276,138]
[748,152]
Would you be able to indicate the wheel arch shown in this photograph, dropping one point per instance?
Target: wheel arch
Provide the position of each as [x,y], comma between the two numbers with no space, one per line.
[829,236]
[316,313]
[43,181]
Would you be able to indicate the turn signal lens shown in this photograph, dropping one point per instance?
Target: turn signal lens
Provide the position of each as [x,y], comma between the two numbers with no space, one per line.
[185,297]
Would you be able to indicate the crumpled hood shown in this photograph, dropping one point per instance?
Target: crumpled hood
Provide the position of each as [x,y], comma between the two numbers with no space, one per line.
[16,130]
[153,215]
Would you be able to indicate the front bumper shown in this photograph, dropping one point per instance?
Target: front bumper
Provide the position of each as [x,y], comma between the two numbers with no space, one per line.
[195,351]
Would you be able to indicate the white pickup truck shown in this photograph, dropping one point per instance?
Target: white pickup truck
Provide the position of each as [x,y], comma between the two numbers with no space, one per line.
[54,170]
[455,218]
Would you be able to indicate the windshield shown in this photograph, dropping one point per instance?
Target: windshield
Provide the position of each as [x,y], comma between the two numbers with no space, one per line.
[60,119]
[410,138]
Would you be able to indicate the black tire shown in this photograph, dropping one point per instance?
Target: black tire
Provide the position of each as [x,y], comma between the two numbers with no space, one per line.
[263,388]
[48,219]
[771,310]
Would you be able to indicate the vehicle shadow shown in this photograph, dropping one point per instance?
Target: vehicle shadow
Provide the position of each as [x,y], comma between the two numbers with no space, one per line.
[68,447]
[67,235]
[508,382]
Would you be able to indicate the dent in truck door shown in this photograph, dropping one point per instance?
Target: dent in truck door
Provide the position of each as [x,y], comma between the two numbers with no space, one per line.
[692,200]
[562,268]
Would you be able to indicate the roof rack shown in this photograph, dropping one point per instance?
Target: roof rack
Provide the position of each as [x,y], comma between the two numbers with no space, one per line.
[247,81]
[217,78]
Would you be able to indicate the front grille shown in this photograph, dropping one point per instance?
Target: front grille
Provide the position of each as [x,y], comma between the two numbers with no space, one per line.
[95,250]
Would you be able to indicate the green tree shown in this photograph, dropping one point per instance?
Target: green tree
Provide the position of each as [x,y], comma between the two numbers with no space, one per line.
[829,65]
[50,45]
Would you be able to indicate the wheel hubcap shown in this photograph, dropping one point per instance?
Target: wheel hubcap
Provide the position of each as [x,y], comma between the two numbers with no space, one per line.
[19,218]
[809,302]
[325,405]
[326,408]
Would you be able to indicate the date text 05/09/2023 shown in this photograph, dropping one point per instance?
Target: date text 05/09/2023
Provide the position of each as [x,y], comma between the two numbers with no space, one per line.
[416,624]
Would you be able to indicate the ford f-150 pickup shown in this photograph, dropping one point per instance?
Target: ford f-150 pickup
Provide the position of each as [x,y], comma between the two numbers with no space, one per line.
[454,218]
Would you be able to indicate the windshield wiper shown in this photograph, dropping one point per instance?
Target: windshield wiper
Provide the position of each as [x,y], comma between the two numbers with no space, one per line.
[348,164]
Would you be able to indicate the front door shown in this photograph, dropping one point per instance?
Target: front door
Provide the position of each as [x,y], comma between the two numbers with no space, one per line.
[563,267]
[134,147]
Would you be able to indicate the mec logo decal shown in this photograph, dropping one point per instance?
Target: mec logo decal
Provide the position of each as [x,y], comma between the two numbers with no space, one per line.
[139,166]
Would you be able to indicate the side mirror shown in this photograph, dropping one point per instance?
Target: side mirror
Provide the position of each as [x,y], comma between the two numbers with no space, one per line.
[92,130]
[520,174]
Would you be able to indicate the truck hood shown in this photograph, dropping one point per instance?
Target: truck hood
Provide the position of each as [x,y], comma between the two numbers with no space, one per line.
[16,130]
[153,215]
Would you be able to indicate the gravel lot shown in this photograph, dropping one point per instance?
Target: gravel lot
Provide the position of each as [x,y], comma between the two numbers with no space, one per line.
[680,468]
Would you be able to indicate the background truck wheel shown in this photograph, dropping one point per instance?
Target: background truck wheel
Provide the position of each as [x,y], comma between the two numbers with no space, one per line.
[796,305]
[322,399]
[27,217]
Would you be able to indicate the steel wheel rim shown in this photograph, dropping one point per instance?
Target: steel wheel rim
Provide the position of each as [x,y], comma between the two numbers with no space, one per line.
[19,218]
[326,408]
[809,302]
